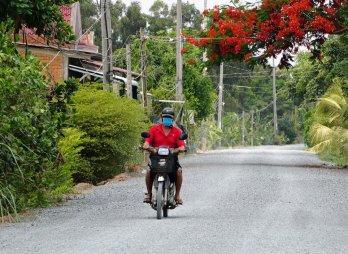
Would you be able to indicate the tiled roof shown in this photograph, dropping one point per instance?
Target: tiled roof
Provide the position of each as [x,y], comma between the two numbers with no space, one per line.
[71,14]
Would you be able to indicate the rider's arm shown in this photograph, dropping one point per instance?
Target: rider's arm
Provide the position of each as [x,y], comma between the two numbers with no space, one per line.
[148,141]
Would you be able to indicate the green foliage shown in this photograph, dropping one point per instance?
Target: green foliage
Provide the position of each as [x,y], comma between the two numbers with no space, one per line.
[310,79]
[112,126]
[191,16]
[60,100]
[329,124]
[287,129]
[161,74]
[320,88]
[126,21]
[231,129]
[45,18]
[131,23]
[28,132]
[247,90]
[70,147]
[206,135]
[160,19]
[198,89]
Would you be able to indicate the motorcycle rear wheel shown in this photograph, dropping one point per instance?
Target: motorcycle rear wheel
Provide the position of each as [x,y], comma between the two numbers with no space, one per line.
[159,200]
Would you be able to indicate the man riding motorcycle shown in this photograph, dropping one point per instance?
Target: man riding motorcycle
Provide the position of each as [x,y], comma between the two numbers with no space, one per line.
[165,134]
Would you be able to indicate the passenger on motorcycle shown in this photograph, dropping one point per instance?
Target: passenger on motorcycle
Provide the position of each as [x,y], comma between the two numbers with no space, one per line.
[165,134]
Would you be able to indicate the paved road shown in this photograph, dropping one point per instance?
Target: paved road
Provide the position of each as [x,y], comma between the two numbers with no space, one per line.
[261,200]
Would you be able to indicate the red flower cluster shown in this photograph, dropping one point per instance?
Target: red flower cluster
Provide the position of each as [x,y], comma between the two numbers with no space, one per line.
[191,61]
[322,24]
[275,26]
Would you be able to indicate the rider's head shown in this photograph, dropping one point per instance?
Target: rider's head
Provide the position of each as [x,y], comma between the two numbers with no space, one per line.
[167,116]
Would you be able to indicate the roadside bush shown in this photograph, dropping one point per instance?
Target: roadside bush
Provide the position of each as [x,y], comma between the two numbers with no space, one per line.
[287,129]
[70,160]
[28,133]
[232,132]
[112,126]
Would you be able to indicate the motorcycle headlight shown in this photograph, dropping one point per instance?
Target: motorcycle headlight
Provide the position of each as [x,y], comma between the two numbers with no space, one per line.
[163,151]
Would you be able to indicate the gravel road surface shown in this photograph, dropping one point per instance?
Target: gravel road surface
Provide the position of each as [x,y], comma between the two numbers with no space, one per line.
[253,200]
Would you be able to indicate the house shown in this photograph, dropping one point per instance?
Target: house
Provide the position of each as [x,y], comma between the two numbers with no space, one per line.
[80,59]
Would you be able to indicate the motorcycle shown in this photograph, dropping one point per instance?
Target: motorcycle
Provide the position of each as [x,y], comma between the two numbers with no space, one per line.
[163,163]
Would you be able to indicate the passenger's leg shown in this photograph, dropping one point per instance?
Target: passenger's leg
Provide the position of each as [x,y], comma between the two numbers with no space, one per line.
[148,186]
[178,183]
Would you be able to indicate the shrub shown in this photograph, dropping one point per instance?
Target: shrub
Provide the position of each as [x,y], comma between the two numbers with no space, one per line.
[287,129]
[112,126]
[71,162]
[28,132]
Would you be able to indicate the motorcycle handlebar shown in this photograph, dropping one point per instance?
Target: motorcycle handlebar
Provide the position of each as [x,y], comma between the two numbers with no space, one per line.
[154,150]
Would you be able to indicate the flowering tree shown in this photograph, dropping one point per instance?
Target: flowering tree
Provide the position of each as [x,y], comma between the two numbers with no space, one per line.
[275,26]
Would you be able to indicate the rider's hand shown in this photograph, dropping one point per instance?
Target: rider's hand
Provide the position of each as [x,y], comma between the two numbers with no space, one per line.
[152,150]
[175,151]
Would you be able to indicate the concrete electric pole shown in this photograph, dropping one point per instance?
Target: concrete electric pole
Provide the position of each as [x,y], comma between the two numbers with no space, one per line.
[106,44]
[178,93]
[143,68]
[129,71]
[204,26]
[252,127]
[221,90]
[243,128]
[275,117]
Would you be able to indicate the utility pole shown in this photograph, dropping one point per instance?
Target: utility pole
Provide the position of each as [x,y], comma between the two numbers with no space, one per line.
[204,26]
[275,117]
[205,133]
[221,90]
[106,45]
[143,68]
[178,93]
[243,128]
[129,71]
[252,127]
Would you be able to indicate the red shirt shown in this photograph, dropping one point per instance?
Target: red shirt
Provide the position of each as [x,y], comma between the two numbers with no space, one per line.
[158,138]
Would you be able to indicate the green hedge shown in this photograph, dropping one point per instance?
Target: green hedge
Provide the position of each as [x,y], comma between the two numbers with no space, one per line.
[112,126]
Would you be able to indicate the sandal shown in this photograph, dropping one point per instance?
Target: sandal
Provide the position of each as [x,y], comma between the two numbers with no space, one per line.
[179,201]
[147,198]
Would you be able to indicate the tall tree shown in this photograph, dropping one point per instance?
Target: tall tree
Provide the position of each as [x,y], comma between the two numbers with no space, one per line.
[191,16]
[117,11]
[131,22]
[159,18]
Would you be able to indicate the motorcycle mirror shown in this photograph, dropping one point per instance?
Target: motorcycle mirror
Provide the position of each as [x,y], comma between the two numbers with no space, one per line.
[183,136]
[145,134]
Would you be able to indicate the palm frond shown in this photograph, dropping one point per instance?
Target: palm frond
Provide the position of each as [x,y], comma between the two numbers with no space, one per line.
[320,133]
[322,146]
[332,101]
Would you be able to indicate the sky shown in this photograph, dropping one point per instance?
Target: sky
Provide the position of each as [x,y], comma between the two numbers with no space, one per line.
[146,4]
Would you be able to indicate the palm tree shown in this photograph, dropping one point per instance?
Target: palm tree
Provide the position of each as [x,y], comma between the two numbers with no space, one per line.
[329,131]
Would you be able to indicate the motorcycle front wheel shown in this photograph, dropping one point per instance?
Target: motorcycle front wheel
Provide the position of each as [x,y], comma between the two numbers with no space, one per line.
[159,200]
